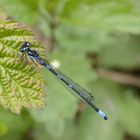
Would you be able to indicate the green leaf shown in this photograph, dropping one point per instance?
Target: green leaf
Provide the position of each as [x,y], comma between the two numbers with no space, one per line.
[119,15]
[3,129]
[20,85]
[42,134]
[122,52]
[14,126]
[52,6]
[81,39]
[24,11]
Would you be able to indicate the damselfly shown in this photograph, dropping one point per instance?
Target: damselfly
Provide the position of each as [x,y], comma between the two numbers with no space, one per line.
[73,86]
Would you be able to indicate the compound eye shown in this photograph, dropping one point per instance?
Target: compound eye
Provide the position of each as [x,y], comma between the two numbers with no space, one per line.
[27,44]
[25,47]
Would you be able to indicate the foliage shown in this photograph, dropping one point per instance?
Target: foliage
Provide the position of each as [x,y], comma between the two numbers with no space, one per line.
[20,85]
[121,15]
[106,30]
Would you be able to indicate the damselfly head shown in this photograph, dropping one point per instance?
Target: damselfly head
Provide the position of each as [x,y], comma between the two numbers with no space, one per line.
[25,46]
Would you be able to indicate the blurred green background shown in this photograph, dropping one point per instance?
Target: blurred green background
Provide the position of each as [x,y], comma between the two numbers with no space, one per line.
[96,43]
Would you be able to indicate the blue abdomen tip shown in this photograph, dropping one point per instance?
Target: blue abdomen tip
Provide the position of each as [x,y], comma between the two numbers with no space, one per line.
[102,114]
